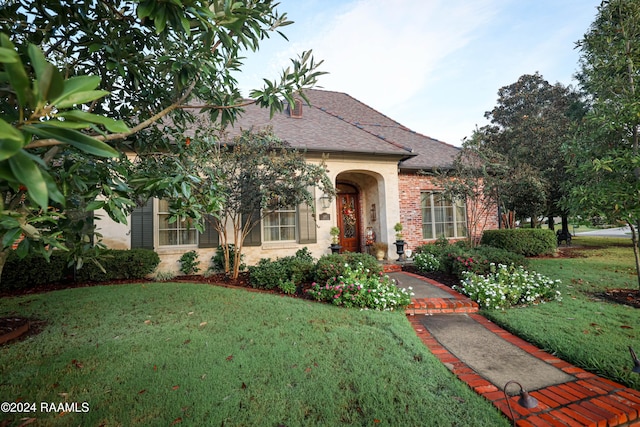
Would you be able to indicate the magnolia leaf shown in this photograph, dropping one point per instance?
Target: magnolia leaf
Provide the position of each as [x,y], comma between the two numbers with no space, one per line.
[75,85]
[68,124]
[52,188]
[28,173]
[11,140]
[72,137]
[110,124]
[50,81]
[78,98]
[8,56]
[16,74]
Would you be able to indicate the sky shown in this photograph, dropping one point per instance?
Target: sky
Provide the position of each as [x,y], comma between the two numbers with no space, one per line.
[434,66]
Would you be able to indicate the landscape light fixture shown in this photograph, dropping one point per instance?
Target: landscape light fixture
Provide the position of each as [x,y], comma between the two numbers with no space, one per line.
[636,362]
[525,400]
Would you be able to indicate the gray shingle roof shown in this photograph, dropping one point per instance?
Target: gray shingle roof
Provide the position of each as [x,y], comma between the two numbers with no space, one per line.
[336,122]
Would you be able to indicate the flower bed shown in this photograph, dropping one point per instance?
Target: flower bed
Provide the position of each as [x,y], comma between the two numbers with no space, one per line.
[356,288]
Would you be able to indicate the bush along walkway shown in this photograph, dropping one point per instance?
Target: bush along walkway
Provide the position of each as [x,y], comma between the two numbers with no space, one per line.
[487,357]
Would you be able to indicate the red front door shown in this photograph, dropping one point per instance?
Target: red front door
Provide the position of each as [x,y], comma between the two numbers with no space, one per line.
[348,218]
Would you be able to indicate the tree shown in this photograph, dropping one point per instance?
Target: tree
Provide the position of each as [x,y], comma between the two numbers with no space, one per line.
[528,126]
[605,157]
[476,176]
[260,174]
[158,61]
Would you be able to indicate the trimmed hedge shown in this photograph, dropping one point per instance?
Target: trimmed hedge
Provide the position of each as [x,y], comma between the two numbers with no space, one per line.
[120,264]
[527,242]
[34,270]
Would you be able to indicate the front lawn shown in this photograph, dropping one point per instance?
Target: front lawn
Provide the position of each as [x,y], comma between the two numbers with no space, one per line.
[584,329]
[184,354]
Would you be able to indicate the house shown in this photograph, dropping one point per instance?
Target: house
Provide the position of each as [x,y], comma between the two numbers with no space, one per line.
[376,165]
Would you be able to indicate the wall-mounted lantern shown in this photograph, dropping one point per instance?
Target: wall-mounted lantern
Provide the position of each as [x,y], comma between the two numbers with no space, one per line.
[325,201]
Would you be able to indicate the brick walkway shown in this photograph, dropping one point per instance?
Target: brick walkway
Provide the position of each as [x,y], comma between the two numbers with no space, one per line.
[587,401]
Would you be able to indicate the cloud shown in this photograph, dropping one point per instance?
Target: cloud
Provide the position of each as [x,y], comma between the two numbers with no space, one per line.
[384,52]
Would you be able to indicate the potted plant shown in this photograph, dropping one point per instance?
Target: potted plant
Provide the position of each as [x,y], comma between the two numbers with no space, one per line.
[399,241]
[335,240]
[379,250]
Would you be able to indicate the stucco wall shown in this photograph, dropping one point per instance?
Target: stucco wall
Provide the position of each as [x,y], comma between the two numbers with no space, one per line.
[376,177]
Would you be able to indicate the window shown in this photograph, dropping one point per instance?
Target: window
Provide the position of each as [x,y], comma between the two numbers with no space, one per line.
[176,233]
[442,218]
[280,225]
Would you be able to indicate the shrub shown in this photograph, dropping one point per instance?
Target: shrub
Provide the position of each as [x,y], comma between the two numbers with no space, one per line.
[527,242]
[504,287]
[120,264]
[426,262]
[333,265]
[189,263]
[32,270]
[268,274]
[357,288]
[468,261]
[217,260]
[432,249]
[500,256]
[287,286]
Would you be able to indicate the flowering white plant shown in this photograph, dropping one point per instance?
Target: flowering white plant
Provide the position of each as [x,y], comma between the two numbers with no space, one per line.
[355,288]
[507,286]
[426,262]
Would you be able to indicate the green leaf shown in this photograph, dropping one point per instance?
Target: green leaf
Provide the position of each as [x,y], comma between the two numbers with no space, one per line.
[8,56]
[11,140]
[52,188]
[23,248]
[11,236]
[17,74]
[50,81]
[28,173]
[75,85]
[78,98]
[110,124]
[72,137]
[68,124]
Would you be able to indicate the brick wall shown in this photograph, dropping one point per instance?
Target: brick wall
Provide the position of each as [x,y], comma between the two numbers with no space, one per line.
[410,187]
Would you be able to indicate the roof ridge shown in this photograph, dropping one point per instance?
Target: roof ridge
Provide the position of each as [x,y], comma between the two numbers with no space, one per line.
[357,124]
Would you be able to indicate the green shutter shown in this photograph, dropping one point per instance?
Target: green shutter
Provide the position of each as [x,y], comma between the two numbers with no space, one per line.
[306,223]
[142,226]
[210,238]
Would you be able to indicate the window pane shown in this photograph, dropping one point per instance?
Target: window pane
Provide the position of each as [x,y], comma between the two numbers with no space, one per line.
[442,217]
[288,233]
[280,226]
[175,233]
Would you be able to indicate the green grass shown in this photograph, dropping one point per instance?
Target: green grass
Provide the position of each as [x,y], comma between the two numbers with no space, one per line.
[168,353]
[584,329]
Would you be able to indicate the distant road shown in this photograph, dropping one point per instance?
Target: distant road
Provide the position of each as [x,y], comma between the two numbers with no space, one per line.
[607,232]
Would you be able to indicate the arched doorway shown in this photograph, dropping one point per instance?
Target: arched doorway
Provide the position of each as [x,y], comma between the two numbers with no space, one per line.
[348,205]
